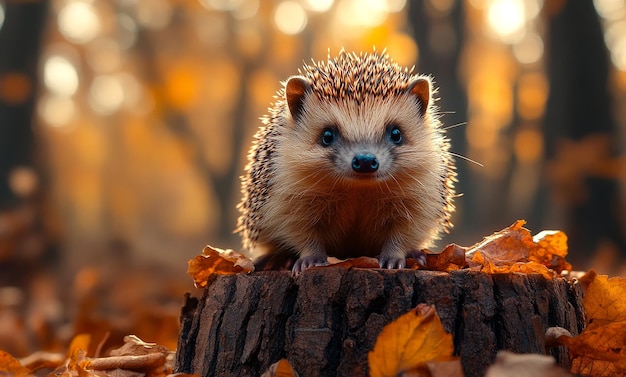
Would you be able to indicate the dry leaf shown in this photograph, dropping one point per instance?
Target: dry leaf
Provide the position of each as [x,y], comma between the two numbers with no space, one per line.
[41,360]
[509,364]
[513,249]
[409,342]
[10,366]
[360,262]
[599,352]
[281,368]
[451,258]
[77,355]
[215,261]
[605,301]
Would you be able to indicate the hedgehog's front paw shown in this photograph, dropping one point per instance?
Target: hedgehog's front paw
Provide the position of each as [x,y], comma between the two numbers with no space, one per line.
[309,261]
[391,262]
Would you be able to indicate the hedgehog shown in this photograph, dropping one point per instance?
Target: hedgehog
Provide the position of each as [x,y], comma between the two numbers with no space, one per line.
[352,160]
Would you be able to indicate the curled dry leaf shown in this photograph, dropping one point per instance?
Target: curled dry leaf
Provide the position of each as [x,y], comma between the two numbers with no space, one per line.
[215,261]
[281,368]
[409,342]
[42,360]
[513,249]
[600,350]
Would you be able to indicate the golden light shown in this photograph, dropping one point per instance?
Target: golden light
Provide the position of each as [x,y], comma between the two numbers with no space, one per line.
[615,37]
[223,5]
[60,76]
[23,181]
[529,50]
[154,14]
[395,6]
[318,5]
[506,19]
[528,145]
[104,55]
[56,111]
[78,22]
[106,94]
[290,17]
[368,13]
[610,9]
[532,94]
[247,10]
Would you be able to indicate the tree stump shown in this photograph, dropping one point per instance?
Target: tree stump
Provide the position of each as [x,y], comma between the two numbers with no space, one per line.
[325,321]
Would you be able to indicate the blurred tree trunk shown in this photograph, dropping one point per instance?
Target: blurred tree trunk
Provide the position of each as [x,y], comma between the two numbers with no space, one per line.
[579,124]
[440,38]
[20,37]
[23,238]
[28,240]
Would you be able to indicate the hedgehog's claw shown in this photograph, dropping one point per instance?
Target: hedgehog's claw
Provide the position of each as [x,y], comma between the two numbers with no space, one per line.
[391,263]
[309,261]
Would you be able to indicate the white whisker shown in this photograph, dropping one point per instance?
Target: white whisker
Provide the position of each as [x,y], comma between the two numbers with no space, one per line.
[455,126]
[467,159]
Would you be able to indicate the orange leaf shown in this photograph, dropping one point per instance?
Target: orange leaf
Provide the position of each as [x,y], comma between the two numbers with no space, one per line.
[604,301]
[10,366]
[217,261]
[513,249]
[452,257]
[600,351]
[281,368]
[409,342]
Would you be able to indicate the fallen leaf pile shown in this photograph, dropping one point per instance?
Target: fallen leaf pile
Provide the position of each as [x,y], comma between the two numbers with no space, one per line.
[512,249]
[600,350]
[134,358]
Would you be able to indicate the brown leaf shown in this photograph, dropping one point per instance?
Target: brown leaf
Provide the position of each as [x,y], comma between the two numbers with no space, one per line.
[409,342]
[215,261]
[451,258]
[10,366]
[600,351]
[360,262]
[513,249]
[135,346]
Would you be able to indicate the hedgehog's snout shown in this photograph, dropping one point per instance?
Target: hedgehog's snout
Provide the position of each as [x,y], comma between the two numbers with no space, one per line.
[365,163]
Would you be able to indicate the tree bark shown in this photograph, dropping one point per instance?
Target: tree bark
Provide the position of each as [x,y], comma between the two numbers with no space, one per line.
[327,320]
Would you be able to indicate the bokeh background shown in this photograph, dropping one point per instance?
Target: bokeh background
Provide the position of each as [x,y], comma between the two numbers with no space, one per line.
[124,126]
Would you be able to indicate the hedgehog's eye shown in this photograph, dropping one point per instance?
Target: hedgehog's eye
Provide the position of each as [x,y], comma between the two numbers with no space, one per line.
[394,134]
[328,136]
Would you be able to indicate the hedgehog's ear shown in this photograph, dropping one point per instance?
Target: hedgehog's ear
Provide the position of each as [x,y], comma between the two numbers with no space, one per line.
[421,89]
[295,89]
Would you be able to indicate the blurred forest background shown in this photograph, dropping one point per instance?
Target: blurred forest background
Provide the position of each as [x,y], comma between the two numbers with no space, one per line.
[124,126]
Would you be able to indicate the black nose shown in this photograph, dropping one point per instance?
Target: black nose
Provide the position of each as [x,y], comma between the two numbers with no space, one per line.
[364,163]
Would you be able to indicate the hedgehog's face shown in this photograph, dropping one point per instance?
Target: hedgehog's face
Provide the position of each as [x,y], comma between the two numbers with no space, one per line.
[378,140]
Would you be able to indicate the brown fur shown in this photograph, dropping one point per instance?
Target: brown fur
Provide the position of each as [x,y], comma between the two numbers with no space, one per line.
[302,198]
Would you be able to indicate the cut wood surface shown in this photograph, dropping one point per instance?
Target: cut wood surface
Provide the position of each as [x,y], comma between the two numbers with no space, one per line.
[325,321]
